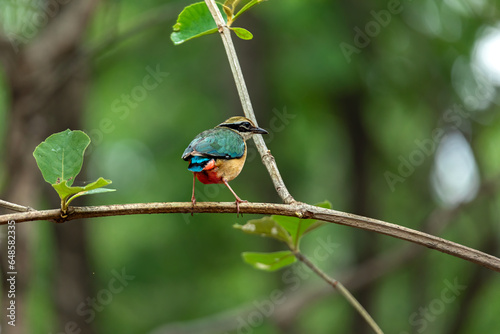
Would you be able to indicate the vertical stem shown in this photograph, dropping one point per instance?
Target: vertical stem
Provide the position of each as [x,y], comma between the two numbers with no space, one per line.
[268,159]
[264,152]
[232,57]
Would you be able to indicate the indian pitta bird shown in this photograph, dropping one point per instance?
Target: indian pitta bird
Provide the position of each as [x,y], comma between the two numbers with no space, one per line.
[218,155]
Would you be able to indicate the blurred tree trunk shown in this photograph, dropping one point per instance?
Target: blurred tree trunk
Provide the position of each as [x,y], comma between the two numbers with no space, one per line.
[351,106]
[47,81]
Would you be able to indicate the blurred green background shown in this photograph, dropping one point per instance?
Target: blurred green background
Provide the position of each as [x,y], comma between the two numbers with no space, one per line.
[387,109]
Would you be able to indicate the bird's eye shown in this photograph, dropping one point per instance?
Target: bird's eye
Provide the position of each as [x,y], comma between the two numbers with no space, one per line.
[245,125]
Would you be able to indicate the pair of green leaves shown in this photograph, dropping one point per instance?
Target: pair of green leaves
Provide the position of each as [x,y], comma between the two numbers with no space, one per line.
[60,159]
[195,20]
[289,230]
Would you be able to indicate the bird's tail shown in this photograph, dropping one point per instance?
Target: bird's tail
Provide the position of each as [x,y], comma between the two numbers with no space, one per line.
[198,164]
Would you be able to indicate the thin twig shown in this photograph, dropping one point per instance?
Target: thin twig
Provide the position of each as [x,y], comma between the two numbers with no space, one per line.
[342,290]
[297,209]
[14,207]
[356,278]
[264,152]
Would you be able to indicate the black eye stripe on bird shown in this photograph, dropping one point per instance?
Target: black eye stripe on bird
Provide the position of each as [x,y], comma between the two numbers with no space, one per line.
[240,126]
[218,155]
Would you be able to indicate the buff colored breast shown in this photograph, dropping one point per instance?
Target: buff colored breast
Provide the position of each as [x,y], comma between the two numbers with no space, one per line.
[219,169]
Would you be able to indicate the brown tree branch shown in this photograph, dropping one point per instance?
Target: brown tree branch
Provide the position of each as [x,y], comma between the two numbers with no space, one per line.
[374,268]
[296,209]
[264,152]
[342,218]
[356,278]
[14,207]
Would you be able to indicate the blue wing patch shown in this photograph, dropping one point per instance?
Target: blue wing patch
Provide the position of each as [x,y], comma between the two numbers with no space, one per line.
[197,163]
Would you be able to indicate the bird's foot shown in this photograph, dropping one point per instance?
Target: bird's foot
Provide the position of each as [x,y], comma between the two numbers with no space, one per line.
[238,201]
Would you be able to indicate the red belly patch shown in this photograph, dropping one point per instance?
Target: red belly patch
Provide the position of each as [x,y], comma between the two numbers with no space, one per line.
[208,177]
[209,174]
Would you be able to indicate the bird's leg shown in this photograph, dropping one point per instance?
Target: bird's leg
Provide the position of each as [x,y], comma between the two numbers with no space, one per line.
[193,199]
[238,200]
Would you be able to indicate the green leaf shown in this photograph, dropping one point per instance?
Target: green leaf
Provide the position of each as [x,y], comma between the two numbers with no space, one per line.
[242,33]
[316,224]
[90,192]
[294,226]
[265,227]
[66,191]
[298,227]
[326,204]
[247,7]
[195,21]
[269,261]
[313,226]
[288,223]
[60,156]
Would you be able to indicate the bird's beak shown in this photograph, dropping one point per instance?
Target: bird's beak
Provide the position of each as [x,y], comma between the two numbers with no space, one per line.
[259,130]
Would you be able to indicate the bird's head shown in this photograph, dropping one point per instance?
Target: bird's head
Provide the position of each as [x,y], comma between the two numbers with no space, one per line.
[245,127]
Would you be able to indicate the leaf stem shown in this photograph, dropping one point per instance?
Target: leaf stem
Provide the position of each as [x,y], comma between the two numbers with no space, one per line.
[64,207]
[297,237]
[341,289]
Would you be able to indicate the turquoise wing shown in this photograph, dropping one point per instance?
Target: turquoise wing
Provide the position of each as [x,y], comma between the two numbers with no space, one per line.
[216,143]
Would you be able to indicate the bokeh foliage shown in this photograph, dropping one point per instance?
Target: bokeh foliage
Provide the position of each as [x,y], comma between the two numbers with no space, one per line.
[336,126]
